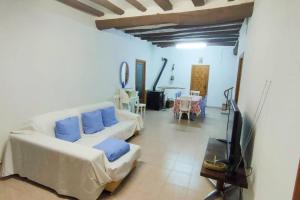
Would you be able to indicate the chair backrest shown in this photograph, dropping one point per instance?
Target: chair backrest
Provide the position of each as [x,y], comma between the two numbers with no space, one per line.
[185,103]
[194,93]
[177,94]
[124,97]
[117,101]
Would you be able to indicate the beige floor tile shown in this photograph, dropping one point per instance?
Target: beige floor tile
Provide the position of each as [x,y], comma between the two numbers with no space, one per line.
[183,167]
[172,192]
[179,178]
[198,183]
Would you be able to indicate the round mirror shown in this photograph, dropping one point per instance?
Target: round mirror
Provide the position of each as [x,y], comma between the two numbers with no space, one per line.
[124,74]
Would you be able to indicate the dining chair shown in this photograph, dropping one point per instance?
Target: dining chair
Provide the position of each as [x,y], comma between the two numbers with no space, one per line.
[203,106]
[139,107]
[117,101]
[177,94]
[124,100]
[194,93]
[185,104]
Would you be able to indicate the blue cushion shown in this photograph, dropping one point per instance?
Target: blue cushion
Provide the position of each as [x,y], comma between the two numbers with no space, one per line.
[68,129]
[92,122]
[109,116]
[113,148]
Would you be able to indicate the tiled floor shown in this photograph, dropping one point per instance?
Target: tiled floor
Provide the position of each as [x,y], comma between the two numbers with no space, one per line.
[169,167]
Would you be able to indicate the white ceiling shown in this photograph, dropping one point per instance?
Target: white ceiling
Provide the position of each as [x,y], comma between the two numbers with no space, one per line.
[153,8]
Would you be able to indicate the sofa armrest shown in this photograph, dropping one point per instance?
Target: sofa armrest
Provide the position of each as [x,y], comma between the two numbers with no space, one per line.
[68,168]
[124,115]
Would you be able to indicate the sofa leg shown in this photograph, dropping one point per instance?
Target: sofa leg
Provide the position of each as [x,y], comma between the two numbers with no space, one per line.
[112,186]
[136,133]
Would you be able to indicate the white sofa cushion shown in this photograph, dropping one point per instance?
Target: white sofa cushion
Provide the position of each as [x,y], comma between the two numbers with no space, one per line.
[122,130]
[46,123]
[119,169]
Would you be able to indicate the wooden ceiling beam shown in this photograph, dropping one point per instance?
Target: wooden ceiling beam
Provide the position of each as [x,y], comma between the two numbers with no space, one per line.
[82,7]
[195,40]
[179,27]
[196,30]
[137,5]
[208,44]
[197,17]
[198,2]
[191,37]
[164,4]
[110,6]
[215,31]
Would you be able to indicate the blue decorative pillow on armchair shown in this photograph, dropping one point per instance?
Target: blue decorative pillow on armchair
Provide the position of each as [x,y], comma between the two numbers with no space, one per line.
[92,122]
[68,129]
[109,116]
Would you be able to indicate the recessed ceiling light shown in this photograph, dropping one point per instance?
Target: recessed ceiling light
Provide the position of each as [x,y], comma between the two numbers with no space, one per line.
[198,45]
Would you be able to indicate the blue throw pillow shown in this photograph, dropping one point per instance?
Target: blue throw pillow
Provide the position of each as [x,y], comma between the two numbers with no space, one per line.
[68,129]
[113,148]
[109,116]
[92,122]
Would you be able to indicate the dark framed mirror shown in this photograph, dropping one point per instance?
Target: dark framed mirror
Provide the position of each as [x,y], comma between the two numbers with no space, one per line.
[124,74]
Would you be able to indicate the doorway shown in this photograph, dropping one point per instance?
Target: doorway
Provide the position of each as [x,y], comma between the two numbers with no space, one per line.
[238,79]
[140,79]
[199,79]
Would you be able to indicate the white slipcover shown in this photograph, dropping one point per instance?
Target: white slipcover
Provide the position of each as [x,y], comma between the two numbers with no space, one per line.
[73,169]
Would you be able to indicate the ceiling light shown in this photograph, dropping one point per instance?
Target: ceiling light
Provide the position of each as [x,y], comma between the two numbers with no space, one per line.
[198,45]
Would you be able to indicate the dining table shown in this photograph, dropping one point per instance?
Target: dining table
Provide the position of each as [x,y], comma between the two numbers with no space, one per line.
[195,104]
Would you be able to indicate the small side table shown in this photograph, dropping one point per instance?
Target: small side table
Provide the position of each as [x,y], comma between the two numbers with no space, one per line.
[224,182]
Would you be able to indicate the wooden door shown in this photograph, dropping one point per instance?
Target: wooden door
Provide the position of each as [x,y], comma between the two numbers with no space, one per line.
[296,195]
[199,78]
[238,79]
[140,79]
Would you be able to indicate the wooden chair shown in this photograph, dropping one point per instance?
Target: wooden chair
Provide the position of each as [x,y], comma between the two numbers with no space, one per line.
[139,107]
[194,93]
[185,104]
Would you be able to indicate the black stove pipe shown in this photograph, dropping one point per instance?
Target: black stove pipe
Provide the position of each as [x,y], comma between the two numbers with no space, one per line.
[160,73]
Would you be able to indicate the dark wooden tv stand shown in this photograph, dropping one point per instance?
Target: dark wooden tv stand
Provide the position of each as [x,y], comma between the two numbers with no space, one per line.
[224,181]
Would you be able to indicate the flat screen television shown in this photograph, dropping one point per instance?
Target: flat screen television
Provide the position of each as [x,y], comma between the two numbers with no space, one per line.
[233,136]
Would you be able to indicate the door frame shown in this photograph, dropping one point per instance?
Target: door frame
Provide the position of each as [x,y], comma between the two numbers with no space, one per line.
[200,65]
[238,78]
[142,96]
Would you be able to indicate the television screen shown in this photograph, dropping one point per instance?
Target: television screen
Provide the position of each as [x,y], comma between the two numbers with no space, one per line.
[233,134]
[230,121]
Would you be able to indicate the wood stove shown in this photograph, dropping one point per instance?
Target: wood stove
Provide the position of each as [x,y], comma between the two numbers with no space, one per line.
[156,99]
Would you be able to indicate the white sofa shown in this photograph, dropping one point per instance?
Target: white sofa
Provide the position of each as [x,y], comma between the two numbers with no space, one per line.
[73,169]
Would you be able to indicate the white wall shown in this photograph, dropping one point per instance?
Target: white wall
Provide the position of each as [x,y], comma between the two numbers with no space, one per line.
[53,57]
[222,74]
[272,53]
